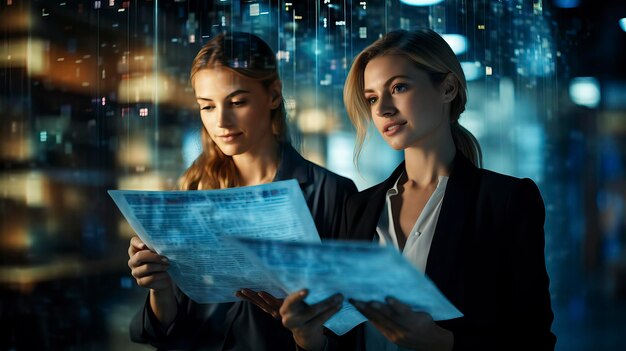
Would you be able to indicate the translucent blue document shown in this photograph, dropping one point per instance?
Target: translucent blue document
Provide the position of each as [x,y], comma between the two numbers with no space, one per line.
[189,227]
[359,270]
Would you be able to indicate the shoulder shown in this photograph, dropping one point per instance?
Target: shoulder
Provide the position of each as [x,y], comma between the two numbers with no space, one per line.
[511,193]
[506,184]
[327,178]
[308,173]
[374,195]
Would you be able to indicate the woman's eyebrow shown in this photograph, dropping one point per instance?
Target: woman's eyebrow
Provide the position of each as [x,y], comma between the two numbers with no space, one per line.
[234,93]
[369,90]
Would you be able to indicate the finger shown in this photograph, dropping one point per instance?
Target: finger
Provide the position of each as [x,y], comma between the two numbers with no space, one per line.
[373,311]
[308,318]
[257,301]
[397,306]
[254,298]
[136,244]
[146,256]
[387,331]
[294,302]
[307,314]
[148,269]
[270,299]
[150,281]
[326,315]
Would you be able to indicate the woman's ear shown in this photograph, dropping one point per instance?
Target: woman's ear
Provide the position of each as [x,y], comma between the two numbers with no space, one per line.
[276,94]
[449,87]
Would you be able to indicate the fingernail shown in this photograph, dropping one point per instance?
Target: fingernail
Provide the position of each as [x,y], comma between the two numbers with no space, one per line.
[303,292]
[165,260]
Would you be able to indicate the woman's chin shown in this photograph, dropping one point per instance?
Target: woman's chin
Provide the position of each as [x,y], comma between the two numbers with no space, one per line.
[396,145]
[231,150]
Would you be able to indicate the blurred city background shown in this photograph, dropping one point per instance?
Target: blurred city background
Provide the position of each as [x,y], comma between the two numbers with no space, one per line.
[95,95]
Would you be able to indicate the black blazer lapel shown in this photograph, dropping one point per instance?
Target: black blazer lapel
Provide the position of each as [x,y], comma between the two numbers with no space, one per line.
[456,210]
[364,216]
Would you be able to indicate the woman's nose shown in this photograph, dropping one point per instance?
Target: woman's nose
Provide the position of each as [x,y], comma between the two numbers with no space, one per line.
[385,107]
[224,118]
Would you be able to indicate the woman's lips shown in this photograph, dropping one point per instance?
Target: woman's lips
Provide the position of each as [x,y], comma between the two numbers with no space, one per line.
[230,137]
[392,128]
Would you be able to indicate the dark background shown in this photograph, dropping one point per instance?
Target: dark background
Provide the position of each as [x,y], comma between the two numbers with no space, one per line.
[94,95]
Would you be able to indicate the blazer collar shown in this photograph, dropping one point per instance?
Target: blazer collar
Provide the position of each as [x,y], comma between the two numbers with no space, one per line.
[364,227]
[456,210]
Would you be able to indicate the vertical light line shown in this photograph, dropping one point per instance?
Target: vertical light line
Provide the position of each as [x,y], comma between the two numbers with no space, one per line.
[345,28]
[156,84]
[98,105]
[278,17]
[128,117]
[386,16]
[295,61]
[316,54]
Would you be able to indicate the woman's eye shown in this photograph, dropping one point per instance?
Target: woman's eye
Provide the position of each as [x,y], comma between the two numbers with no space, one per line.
[238,103]
[371,100]
[400,88]
[207,108]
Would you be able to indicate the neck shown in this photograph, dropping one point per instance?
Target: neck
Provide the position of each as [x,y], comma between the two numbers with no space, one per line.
[426,162]
[258,166]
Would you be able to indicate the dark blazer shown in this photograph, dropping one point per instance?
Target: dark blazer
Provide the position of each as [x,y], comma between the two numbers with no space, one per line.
[241,325]
[487,257]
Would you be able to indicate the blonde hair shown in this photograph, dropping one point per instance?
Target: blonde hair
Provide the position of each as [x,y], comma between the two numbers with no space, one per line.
[247,55]
[429,52]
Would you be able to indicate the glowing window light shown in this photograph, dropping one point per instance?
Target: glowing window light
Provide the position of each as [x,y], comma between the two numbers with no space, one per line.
[143,112]
[585,91]
[472,70]
[43,136]
[254,10]
[457,42]
[567,4]
[421,2]
[622,24]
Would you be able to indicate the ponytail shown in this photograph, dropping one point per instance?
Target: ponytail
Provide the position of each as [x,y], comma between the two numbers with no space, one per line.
[466,143]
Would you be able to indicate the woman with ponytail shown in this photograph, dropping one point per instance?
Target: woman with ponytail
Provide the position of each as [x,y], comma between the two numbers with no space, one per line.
[476,234]
[245,142]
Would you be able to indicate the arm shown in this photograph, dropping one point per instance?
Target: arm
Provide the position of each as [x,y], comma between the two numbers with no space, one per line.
[531,311]
[149,270]
[168,318]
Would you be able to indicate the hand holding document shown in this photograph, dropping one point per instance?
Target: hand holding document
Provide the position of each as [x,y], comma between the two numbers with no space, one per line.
[361,271]
[189,227]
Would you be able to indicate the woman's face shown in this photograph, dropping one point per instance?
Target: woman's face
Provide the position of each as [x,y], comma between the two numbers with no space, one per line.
[405,106]
[236,110]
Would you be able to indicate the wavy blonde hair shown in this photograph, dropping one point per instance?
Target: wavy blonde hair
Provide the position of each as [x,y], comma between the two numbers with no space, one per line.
[429,52]
[247,55]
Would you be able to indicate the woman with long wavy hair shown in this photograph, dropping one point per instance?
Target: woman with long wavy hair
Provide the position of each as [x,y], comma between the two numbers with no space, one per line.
[245,142]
